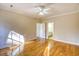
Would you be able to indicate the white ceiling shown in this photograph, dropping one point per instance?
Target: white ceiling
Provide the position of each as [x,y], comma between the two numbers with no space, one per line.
[28,9]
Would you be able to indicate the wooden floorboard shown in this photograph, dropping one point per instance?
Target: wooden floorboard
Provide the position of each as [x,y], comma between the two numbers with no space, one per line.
[49,48]
[45,48]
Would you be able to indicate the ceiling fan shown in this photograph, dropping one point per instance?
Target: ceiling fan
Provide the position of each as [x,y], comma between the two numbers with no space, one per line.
[42,9]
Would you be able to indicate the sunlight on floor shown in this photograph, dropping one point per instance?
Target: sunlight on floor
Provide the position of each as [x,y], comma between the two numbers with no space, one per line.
[47,50]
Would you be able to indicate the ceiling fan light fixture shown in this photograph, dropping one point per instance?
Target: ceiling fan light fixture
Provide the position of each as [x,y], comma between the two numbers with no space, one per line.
[41,10]
[41,13]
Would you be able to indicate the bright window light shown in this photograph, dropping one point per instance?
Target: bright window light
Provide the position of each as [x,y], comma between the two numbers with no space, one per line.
[15,37]
[15,40]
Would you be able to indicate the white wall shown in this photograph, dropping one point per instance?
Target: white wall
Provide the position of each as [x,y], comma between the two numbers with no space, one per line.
[66,27]
[4,31]
[18,23]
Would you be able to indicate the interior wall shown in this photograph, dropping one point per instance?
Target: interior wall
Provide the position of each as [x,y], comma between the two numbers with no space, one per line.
[19,23]
[66,27]
[4,31]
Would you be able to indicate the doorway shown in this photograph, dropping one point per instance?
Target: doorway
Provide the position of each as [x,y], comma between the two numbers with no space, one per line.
[40,30]
[50,30]
[45,30]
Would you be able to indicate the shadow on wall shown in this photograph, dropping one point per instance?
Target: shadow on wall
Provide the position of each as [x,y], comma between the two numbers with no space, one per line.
[4,31]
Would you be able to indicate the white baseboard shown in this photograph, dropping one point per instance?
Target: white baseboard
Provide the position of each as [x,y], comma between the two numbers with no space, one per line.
[73,43]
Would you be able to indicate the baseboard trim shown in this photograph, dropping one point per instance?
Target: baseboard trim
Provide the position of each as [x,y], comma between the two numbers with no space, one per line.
[72,43]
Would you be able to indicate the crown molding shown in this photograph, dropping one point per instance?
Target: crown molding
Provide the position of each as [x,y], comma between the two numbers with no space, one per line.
[62,14]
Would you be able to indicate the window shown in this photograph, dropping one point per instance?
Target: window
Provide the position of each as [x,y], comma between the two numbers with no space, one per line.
[15,39]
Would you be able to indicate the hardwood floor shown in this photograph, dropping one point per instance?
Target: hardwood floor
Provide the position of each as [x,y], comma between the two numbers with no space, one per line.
[49,48]
[45,48]
[4,51]
[34,48]
[7,51]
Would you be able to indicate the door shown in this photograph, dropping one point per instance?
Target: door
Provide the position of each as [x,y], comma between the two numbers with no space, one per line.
[40,30]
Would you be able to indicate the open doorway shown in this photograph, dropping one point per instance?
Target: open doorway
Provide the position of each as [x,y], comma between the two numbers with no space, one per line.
[40,30]
[45,30]
[50,30]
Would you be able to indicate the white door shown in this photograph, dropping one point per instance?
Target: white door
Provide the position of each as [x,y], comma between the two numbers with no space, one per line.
[40,30]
